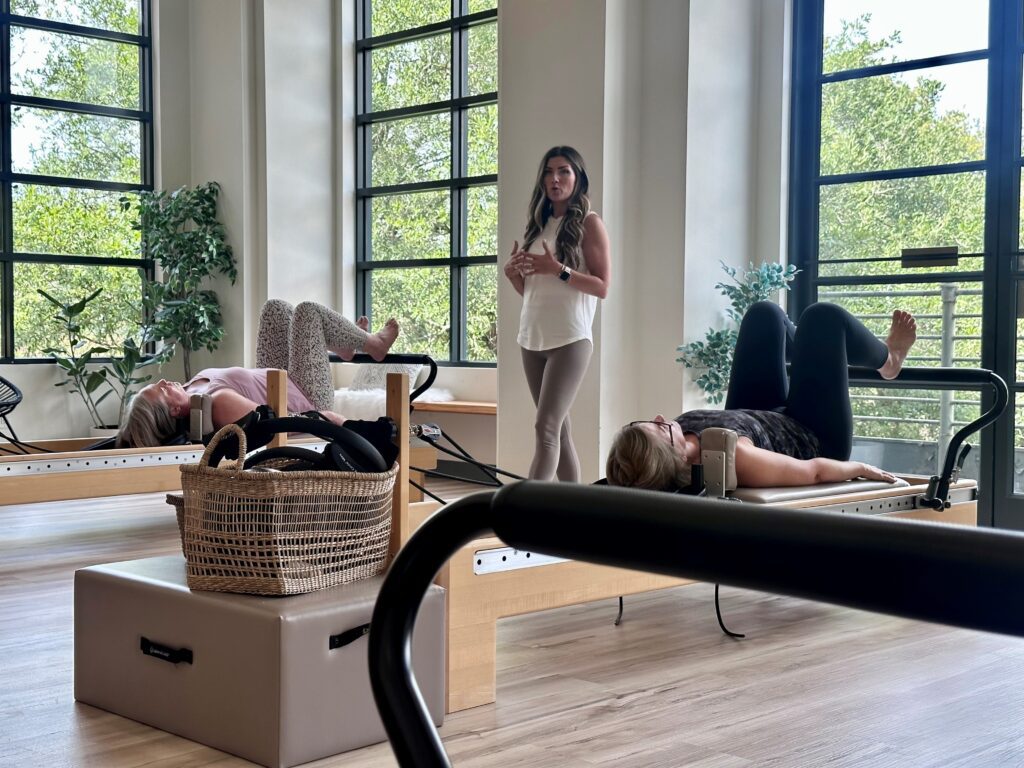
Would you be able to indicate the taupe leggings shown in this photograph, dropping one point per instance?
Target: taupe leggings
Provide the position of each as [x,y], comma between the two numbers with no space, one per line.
[298,340]
[554,377]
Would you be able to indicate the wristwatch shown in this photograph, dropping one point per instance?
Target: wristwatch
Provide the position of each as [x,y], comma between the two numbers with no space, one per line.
[564,274]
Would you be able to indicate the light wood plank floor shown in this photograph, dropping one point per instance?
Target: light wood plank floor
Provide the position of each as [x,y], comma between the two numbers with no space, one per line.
[812,685]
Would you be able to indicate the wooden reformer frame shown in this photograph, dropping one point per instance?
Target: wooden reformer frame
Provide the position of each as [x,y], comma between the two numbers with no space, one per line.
[71,472]
[476,601]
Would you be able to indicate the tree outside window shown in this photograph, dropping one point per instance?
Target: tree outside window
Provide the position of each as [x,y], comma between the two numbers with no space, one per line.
[79,125]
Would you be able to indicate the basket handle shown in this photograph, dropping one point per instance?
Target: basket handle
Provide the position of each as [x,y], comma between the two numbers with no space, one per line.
[223,432]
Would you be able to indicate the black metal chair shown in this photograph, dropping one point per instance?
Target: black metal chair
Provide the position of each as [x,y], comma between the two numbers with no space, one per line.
[945,574]
[10,396]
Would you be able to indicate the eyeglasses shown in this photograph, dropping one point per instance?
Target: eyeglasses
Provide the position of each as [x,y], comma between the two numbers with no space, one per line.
[665,425]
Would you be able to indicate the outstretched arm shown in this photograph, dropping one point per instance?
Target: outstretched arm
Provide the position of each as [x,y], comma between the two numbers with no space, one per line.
[758,468]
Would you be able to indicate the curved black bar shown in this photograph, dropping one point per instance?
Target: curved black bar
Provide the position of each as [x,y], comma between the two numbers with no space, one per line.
[426,360]
[944,378]
[918,570]
[413,737]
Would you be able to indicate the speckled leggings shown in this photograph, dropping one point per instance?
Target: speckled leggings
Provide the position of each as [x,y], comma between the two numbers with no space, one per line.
[299,339]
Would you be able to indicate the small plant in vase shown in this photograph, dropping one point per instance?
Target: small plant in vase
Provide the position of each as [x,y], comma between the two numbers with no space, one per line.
[714,354]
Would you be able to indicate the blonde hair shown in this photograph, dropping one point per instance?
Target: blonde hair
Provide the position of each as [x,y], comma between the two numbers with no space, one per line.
[569,240]
[146,424]
[639,461]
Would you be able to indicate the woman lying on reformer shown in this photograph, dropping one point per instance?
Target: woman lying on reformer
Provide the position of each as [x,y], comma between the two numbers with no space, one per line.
[297,340]
[791,432]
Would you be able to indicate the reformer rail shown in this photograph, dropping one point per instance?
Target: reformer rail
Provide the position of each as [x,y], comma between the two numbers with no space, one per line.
[945,379]
[921,571]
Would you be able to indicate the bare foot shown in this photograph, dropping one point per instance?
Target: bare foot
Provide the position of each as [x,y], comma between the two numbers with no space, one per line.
[347,353]
[902,335]
[378,344]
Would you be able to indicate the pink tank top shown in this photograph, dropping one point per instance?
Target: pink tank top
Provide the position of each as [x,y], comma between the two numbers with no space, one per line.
[251,383]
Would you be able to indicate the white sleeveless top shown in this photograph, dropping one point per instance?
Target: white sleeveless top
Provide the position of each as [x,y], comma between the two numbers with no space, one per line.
[554,312]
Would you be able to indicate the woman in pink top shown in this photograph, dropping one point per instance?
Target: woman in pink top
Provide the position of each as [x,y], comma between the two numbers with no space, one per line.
[296,339]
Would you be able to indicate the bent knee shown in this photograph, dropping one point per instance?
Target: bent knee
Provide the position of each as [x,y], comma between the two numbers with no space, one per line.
[276,306]
[762,310]
[823,312]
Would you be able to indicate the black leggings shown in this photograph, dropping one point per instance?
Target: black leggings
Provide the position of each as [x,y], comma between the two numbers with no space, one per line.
[817,394]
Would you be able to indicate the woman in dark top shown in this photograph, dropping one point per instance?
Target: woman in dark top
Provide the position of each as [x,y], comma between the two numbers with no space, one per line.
[795,430]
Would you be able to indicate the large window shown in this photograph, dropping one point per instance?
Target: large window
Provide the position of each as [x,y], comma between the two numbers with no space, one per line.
[427,146]
[906,193]
[75,136]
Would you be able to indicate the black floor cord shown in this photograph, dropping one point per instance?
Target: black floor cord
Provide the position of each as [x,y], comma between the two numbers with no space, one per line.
[718,613]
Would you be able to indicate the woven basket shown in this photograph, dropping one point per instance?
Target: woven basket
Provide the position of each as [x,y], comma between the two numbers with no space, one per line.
[281,533]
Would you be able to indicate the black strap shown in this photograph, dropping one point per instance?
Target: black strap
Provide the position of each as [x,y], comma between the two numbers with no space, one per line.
[164,652]
[347,637]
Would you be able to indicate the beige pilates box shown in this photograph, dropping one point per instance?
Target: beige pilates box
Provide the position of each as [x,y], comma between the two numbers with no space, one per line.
[276,680]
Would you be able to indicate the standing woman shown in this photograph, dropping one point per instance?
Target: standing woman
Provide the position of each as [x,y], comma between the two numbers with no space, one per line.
[561,271]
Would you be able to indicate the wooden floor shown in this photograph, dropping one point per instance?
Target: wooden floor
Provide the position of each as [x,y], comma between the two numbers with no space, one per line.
[812,685]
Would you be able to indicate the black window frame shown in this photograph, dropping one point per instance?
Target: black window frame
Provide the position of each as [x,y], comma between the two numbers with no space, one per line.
[1001,270]
[8,256]
[458,183]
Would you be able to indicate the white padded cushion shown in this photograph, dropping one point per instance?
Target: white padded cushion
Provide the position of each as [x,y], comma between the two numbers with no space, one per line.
[369,404]
[374,376]
[800,493]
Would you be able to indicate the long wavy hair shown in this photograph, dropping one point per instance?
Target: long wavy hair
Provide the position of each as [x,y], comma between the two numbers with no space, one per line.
[637,460]
[569,241]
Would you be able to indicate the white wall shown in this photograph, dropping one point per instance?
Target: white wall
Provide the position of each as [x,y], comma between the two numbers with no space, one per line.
[299,149]
[721,157]
[653,264]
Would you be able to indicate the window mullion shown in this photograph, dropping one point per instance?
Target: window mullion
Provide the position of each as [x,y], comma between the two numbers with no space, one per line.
[6,238]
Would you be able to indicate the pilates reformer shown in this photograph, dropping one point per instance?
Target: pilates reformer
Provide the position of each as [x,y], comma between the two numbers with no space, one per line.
[488,579]
[55,470]
[945,573]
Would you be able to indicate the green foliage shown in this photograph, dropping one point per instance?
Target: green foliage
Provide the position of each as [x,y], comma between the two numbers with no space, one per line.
[78,358]
[71,220]
[715,353]
[181,233]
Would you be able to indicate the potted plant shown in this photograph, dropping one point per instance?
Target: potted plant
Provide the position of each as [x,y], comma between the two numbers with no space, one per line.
[181,233]
[90,378]
[714,353]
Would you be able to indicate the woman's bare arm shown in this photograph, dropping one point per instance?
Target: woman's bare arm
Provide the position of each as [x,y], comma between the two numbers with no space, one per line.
[229,406]
[758,468]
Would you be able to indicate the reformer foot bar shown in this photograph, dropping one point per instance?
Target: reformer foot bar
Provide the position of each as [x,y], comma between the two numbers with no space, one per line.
[944,574]
[64,469]
[488,579]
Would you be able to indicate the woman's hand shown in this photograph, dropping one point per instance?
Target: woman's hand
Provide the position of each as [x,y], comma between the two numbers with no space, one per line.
[541,263]
[514,266]
[334,418]
[869,472]
[514,269]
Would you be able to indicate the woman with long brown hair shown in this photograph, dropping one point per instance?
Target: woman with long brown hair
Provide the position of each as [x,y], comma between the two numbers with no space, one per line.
[561,270]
